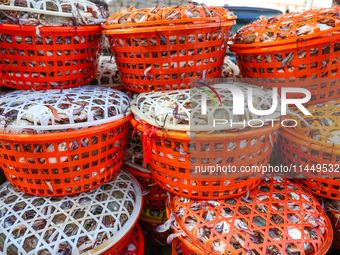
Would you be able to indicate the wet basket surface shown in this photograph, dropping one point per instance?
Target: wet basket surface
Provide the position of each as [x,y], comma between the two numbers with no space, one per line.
[313,147]
[64,57]
[277,217]
[168,54]
[99,221]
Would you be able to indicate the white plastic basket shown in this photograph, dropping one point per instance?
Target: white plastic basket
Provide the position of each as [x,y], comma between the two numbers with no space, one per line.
[22,110]
[49,225]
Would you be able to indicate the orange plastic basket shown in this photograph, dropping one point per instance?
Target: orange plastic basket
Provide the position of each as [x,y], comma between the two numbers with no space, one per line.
[155,196]
[278,217]
[167,54]
[334,216]
[173,171]
[64,57]
[312,151]
[303,60]
[178,248]
[137,242]
[86,167]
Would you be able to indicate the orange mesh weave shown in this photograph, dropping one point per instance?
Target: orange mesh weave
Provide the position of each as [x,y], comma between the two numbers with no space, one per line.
[312,146]
[268,212]
[172,170]
[64,171]
[287,28]
[65,57]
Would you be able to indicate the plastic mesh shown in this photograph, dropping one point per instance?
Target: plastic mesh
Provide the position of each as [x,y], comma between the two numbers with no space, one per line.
[58,8]
[289,27]
[62,110]
[168,16]
[107,74]
[158,109]
[136,246]
[91,221]
[278,217]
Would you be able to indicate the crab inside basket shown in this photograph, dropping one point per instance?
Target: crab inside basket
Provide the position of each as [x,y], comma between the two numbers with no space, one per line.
[49,44]
[313,147]
[99,221]
[169,48]
[181,144]
[278,217]
[62,142]
[154,195]
[293,50]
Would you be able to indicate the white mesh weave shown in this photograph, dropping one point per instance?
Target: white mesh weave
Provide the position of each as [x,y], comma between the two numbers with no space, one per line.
[61,8]
[27,109]
[107,74]
[46,225]
[157,108]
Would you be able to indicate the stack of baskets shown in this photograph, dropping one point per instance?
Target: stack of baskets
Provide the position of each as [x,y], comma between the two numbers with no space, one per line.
[62,145]
[301,50]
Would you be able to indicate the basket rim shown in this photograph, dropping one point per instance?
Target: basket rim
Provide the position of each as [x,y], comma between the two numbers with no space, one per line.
[127,228]
[140,235]
[61,135]
[172,134]
[310,143]
[110,29]
[198,247]
[263,47]
[63,29]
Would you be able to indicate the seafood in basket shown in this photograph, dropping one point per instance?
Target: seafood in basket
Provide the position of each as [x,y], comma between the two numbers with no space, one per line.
[62,142]
[150,220]
[51,13]
[313,147]
[99,221]
[49,44]
[278,217]
[333,212]
[169,48]
[154,195]
[108,74]
[293,50]
[179,142]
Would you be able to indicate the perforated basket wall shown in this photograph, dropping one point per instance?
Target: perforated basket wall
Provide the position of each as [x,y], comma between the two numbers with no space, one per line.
[149,220]
[58,168]
[154,196]
[164,54]
[178,248]
[278,217]
[64,57]
[93,222]
[136,245]
[314,145]
[175,172]
[108,74]
[292,58]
